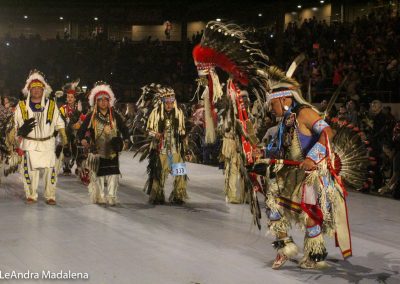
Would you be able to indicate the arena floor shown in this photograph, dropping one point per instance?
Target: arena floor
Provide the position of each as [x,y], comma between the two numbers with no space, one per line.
[204,241]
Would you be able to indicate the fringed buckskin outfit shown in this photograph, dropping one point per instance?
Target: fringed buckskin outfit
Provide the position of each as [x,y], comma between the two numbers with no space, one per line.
[167,150]
[106,131]
[296,196]
[38,143]
[293,195]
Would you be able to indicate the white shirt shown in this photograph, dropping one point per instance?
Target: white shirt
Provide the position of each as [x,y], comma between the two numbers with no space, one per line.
[41,130]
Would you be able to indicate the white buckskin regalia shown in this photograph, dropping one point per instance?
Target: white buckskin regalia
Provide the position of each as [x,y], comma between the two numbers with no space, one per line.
[36,122]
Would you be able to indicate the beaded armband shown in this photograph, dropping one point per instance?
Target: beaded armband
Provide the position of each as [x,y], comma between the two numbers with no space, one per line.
[319,126]
[317,153]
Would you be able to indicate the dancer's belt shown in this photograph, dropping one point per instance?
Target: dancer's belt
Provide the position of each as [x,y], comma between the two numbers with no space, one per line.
[38,139]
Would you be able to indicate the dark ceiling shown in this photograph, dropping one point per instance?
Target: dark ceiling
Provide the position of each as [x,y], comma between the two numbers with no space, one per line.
[150,11]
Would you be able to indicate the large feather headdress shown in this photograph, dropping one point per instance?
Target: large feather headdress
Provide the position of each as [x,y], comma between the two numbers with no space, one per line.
[226,46]
[36,79]
[101,88]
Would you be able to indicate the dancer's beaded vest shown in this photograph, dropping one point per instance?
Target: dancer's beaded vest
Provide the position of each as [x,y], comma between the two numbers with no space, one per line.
[104,132]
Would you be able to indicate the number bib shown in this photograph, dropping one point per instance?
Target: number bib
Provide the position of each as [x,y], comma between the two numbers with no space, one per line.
[179,169]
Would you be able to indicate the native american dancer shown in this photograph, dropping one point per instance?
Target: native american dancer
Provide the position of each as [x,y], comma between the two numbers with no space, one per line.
[106,128]
[37,118]
[308,190]
[166,152]
[316,199]
[73,118]
[225,46]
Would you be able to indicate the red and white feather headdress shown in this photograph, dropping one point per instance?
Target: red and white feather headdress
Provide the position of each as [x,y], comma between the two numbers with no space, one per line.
[101,89]
[36,79]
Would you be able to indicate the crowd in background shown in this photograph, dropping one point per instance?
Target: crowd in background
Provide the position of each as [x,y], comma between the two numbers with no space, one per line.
[382,132]
[365,52]
[126,65]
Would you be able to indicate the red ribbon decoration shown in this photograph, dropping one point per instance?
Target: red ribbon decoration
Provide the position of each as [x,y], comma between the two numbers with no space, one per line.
[330,166]
[243,117]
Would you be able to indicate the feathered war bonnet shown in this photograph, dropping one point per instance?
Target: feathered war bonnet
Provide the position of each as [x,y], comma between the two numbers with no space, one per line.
[165,94]
[36,79]
[100,90]
[225,45]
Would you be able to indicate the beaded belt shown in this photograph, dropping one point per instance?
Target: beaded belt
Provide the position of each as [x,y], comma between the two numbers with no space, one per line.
[38,139]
